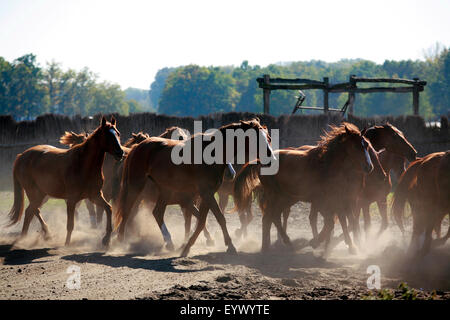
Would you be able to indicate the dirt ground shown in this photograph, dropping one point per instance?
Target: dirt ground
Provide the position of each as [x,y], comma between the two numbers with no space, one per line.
[142,268]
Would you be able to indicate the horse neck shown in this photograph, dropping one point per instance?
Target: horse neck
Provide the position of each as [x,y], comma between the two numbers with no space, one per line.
[378,168]
[91,155]
[376,138]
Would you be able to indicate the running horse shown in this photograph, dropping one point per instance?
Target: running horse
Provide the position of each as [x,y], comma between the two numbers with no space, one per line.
[393,150]
[72,174]
[307,175]
[109,169]
[152,159]
[150,193]
[426,186]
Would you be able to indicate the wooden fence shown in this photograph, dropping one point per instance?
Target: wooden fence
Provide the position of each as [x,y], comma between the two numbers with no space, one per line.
[296,130]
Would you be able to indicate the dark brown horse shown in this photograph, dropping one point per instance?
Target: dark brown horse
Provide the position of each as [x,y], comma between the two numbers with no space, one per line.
[72,174]
[308,175]
[153,158]
[426,186]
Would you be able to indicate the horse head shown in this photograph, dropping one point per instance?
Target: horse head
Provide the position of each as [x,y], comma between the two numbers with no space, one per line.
[392,139]
[356,147]
[109,138]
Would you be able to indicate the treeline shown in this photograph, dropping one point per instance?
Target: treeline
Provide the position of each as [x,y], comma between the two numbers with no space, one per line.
[28,90]
[194,90]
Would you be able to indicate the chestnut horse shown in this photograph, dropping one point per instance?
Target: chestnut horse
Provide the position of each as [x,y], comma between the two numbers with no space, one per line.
[306,175]
[72,174]
[426,186]
[150,194]
[152,159]
[377,185]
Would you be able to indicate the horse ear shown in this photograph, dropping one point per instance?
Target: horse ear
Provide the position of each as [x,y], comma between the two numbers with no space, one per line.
[113,120]
[346,129]
[103,121]
[363,132]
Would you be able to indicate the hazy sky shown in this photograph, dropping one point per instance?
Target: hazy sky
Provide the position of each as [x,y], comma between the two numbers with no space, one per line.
[126,42]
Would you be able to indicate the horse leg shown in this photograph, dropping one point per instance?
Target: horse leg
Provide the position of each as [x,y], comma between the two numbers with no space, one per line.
[158,213]
[416,232]
[100,201]
[70,219]
[266,224]
[211,201]
[329,228]
[91,209]
[187,222]
[281,231]
[382,208]
[201,221]
[36,199]
[348,240]
[313,220]
[428,238]
[366,214]
[193,211]
[99,214]
[285,213]
[223,201]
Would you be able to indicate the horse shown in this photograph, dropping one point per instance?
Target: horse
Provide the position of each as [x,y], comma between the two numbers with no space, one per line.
[152,159]
[109,167]
[426,186]
[307,175]
[394,149]
[72,174]
[150,193]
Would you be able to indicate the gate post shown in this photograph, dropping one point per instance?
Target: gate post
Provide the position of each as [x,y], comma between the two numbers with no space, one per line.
[266,96]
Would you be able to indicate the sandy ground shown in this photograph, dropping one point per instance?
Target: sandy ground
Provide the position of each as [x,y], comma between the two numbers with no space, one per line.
[142,268]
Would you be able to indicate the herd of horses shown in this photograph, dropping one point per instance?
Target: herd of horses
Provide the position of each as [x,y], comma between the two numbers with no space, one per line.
[342,175]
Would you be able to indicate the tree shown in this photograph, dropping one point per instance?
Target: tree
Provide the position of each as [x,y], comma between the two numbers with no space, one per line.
[194,90]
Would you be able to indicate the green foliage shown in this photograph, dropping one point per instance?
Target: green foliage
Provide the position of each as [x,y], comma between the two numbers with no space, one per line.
[194,90]
[139,100]
[27,90]
[186,91]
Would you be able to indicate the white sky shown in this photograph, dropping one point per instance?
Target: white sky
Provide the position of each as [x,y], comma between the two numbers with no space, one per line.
[127,41]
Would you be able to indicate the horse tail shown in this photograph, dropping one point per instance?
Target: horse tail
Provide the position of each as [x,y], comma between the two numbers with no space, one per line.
[71,138]
[17,209]
[244,183]
[132,182]
[407,180]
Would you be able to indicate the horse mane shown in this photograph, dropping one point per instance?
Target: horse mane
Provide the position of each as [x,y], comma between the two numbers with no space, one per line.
[331,138]
[169,131]
[71,138]
[136,138]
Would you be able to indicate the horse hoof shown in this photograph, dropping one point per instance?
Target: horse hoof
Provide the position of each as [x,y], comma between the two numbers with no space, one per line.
[170,246]
[210,243]
[185,252]
[105,242]
[352,250]
[314,243]
[231,250]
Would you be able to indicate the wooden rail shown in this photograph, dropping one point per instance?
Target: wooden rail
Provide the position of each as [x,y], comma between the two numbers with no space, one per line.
[268,84]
